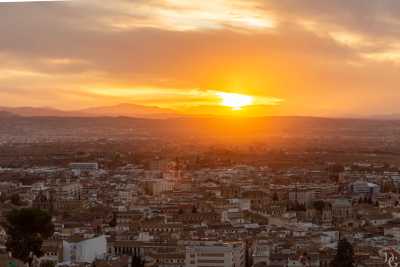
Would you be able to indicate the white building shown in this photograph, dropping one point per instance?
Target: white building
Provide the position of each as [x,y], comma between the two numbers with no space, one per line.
[215,254]
[240,203]
[364,188]
[125,196]
[88,167]
[85,251]
[157,186]
[262,251]
[234,216]
[68,191]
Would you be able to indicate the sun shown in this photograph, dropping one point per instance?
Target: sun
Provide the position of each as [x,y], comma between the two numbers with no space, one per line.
[235,101]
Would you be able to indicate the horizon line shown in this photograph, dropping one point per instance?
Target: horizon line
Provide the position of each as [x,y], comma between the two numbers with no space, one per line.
[25,1]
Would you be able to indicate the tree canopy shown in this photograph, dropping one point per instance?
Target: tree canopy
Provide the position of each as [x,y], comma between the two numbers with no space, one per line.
[344,255]
[26,229]
[137,260]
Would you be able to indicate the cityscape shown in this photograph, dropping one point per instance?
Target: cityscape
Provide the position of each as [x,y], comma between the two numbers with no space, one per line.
[174,133]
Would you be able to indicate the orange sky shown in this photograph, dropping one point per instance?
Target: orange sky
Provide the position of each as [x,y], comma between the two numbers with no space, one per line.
[303,57]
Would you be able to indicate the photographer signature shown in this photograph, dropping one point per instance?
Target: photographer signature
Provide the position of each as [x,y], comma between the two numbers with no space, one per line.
[391,256]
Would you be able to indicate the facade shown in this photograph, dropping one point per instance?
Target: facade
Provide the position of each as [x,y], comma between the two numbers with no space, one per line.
[215,254]
[84,251]
[342,210]
[262,252]
[158,186]
[301,197]
[84,167]
[69,191]
[364,188]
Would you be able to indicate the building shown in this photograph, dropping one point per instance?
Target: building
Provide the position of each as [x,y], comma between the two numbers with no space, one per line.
[83,167]
[262,251]
[301,197]
[342,210]
[70,191]
[157,186]
[234,216]
[364,188]
[84,251]
[215,254]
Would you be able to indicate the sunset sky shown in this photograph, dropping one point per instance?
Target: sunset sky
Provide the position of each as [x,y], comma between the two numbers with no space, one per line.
[285,57]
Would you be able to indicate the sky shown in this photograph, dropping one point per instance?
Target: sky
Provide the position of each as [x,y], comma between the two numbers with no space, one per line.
[292,57]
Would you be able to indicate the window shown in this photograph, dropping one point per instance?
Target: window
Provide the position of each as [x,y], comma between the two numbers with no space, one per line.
[210,261]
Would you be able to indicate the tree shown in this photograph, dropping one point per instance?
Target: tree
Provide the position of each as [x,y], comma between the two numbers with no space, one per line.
[248,257]
[26,229]
[3,198]
[344,255]
[137,260]
[16,200]
[319,205]
[47,264]
[113,221]
[194,209]
[275,197]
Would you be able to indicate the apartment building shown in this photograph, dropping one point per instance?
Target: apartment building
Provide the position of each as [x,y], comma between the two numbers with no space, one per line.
[215,254]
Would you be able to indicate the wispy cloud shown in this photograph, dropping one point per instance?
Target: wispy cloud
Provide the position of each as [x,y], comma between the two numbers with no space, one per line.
[182,15]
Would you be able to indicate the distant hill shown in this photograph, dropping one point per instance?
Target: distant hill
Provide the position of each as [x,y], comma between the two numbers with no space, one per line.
[145,112]
[121,110]
[130,110]
[386,117]
[39,112]
[5,114]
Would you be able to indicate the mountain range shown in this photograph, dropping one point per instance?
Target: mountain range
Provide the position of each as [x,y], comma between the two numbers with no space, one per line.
[128,110]
[121,110]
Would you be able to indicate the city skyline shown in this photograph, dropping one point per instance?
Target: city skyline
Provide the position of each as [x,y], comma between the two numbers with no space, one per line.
[195,133]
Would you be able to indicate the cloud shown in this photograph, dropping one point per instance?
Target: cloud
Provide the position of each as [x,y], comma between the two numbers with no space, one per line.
[183,15]
[316,55]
